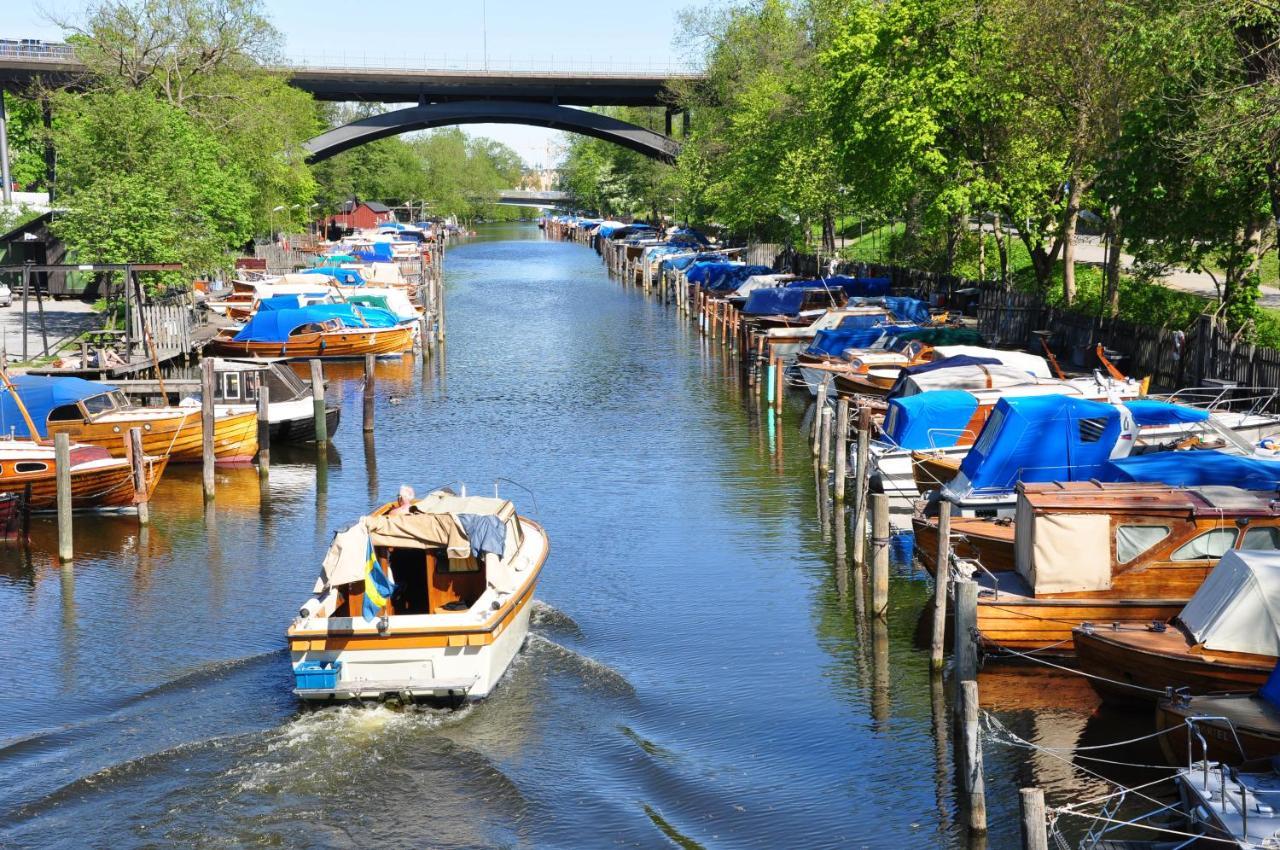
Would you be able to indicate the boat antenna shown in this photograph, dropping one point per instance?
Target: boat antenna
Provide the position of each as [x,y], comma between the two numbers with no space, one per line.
[22,408]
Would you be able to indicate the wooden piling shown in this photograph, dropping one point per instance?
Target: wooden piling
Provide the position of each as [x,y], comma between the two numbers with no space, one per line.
[770,383]
[965,650]
[942,575]
[207,426]
[824,440]
[370,360]
[861,485]
[777,394]
[317,404]
[138,461]
[1035,832]
[842,446]
[62,460]
[264,430]
[879,554]
[973,782]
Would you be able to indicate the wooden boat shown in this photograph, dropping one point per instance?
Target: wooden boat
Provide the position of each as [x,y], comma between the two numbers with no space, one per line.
[933,469]
[324,339]
[987,541]
[290,409]
[451,625]
[100,415]
[98,480]
[1232,728]
[1128,554]
[1226,639]
[10,515]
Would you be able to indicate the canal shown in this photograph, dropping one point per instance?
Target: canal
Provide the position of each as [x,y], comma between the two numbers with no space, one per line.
[696,675]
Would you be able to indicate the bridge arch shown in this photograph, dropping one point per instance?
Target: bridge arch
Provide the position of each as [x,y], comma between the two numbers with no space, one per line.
[555,117]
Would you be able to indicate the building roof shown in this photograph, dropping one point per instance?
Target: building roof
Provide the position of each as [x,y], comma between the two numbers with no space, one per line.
[377,207]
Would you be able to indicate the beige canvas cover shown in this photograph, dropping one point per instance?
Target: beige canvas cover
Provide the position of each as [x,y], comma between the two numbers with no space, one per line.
[419,531]
[1237,609]
[975,377]
[1031,363]
[1063,553]
[344,562]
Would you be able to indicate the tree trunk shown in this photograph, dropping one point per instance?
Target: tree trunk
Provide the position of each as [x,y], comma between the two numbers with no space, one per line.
[982,248]
[1069,242]
[828,232]
[1112,270]
[953,239]
[1002,248]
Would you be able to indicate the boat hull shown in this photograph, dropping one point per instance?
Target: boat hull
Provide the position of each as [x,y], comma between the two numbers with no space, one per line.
[303,429]
[988,543]
[1024,624]
[180,437]
[1160,660]
[1256,727]
[106,486]
[347,343]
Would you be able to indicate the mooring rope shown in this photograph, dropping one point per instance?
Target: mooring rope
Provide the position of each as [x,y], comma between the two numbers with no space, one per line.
[1095,676]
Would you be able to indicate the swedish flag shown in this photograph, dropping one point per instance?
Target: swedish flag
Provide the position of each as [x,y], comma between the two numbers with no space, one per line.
[378,586]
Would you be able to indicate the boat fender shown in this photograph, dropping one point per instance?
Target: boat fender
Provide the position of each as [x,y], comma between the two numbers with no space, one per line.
[384,625]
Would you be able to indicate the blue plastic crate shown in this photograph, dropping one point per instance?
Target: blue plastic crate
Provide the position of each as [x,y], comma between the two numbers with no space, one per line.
[312,675]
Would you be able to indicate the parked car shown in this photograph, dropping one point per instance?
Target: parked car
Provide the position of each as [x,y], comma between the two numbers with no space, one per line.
[6,296]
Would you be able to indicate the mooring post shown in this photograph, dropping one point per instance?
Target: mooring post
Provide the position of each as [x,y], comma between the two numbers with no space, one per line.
[62,461]
[264,430]
[370,360]
[973,782]
[824,441]
[842,445]
[440,296]
[941,578]
[138,461]
[779,374]
[769,384]
[317,404]
[1035,832]
[862,484]
[207,425]
[965,648]
[879,554]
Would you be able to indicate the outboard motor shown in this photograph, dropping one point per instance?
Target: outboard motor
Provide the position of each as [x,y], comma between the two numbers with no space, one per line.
[1128,433]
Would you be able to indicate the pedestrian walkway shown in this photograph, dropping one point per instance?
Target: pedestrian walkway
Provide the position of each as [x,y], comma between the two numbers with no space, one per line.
[63,320]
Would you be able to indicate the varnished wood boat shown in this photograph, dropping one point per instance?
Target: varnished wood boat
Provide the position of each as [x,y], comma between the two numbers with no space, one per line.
[990,542]
[333,341]
[1226,639]
[98,480]
[1234,728]
[1129,554]
[932,469]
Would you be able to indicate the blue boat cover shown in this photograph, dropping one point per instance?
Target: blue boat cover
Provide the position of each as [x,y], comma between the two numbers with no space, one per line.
[903,307]
[1199,468]
[780,301]
[702,271]
[682,263]
[1149,411]
[932,420]
[1040,438]
[40,394]
[935,365]
[730,278]
[1271,690]
[688,236]
[380,252]
[276,325]
[860,287]
[346,277]
[285,302]
[834,341]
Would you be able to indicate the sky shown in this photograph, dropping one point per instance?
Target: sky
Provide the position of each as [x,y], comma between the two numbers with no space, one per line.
[555,34]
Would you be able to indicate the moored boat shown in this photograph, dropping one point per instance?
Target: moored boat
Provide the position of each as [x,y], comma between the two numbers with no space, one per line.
[1229,728]
[427,599]
[290,408]
[318,330]
[99,482]
[1226,639]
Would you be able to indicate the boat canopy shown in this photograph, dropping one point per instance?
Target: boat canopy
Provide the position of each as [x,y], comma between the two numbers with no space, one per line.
[40,394]
[761,281]
[945,336]
[1149,411]
[785,301]
[861,287]
[933,420]
[904,307]
[967,373]
[729,279]
[1237,609]
[1038,438]
[850,334]
[346,277]
[1198,468]
[1032,364]
[288,302]
[276,325]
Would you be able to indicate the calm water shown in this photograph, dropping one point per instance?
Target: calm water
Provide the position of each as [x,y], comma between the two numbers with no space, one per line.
[696,674]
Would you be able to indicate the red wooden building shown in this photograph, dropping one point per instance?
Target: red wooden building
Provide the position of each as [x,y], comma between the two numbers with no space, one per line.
[361,215]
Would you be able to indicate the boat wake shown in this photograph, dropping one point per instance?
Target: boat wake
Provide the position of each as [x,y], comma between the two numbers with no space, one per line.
[560,658]
[552,619]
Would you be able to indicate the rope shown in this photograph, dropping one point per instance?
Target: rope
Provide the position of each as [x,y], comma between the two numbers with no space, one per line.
[1136,687]
[997,730]
[1233,842]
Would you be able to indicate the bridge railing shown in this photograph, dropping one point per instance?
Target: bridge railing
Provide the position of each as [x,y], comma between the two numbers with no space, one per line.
[29,49]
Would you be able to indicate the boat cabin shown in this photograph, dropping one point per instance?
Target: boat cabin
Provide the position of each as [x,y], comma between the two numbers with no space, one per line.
[238,381]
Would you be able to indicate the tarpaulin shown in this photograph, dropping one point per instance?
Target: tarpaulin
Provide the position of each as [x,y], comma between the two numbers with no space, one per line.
[930,420]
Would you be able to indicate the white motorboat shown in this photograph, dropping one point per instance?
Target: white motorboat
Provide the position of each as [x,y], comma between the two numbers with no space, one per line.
[424,599]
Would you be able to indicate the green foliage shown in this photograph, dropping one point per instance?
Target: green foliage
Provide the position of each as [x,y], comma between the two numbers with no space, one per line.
[26,143]
[614,181]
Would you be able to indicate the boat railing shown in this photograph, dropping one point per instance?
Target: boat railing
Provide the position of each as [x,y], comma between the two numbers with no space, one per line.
[532,495]
[1246,400]
[1107,823]
[1194,734]
[956,432]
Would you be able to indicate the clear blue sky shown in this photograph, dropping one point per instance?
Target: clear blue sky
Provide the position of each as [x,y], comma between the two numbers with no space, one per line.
[519,33]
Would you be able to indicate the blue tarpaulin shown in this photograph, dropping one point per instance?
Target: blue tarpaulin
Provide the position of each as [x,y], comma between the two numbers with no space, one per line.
[729,279]
[834,341]
[1038,438]
[378,252]
[903,307]
[860,287]
[931,420]
[682,263]
[485,532]
[1271,690]
[41,394]
[346,277]
[1149,411]
[286,302]
[702,271]
[1198,468]
[276,325]
[783,301]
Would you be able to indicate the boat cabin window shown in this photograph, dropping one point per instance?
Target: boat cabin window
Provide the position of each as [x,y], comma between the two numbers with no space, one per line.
[1134,540]
[66,413]
[430,582]
[1092,429]
[99,403]
[30,466]
[1262,537]
[1212,544]
[231,386]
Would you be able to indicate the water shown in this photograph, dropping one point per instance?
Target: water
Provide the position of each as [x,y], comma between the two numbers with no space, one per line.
[696,673]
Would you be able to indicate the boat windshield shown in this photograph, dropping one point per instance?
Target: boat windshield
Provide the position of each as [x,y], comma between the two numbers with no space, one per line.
[104,403]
